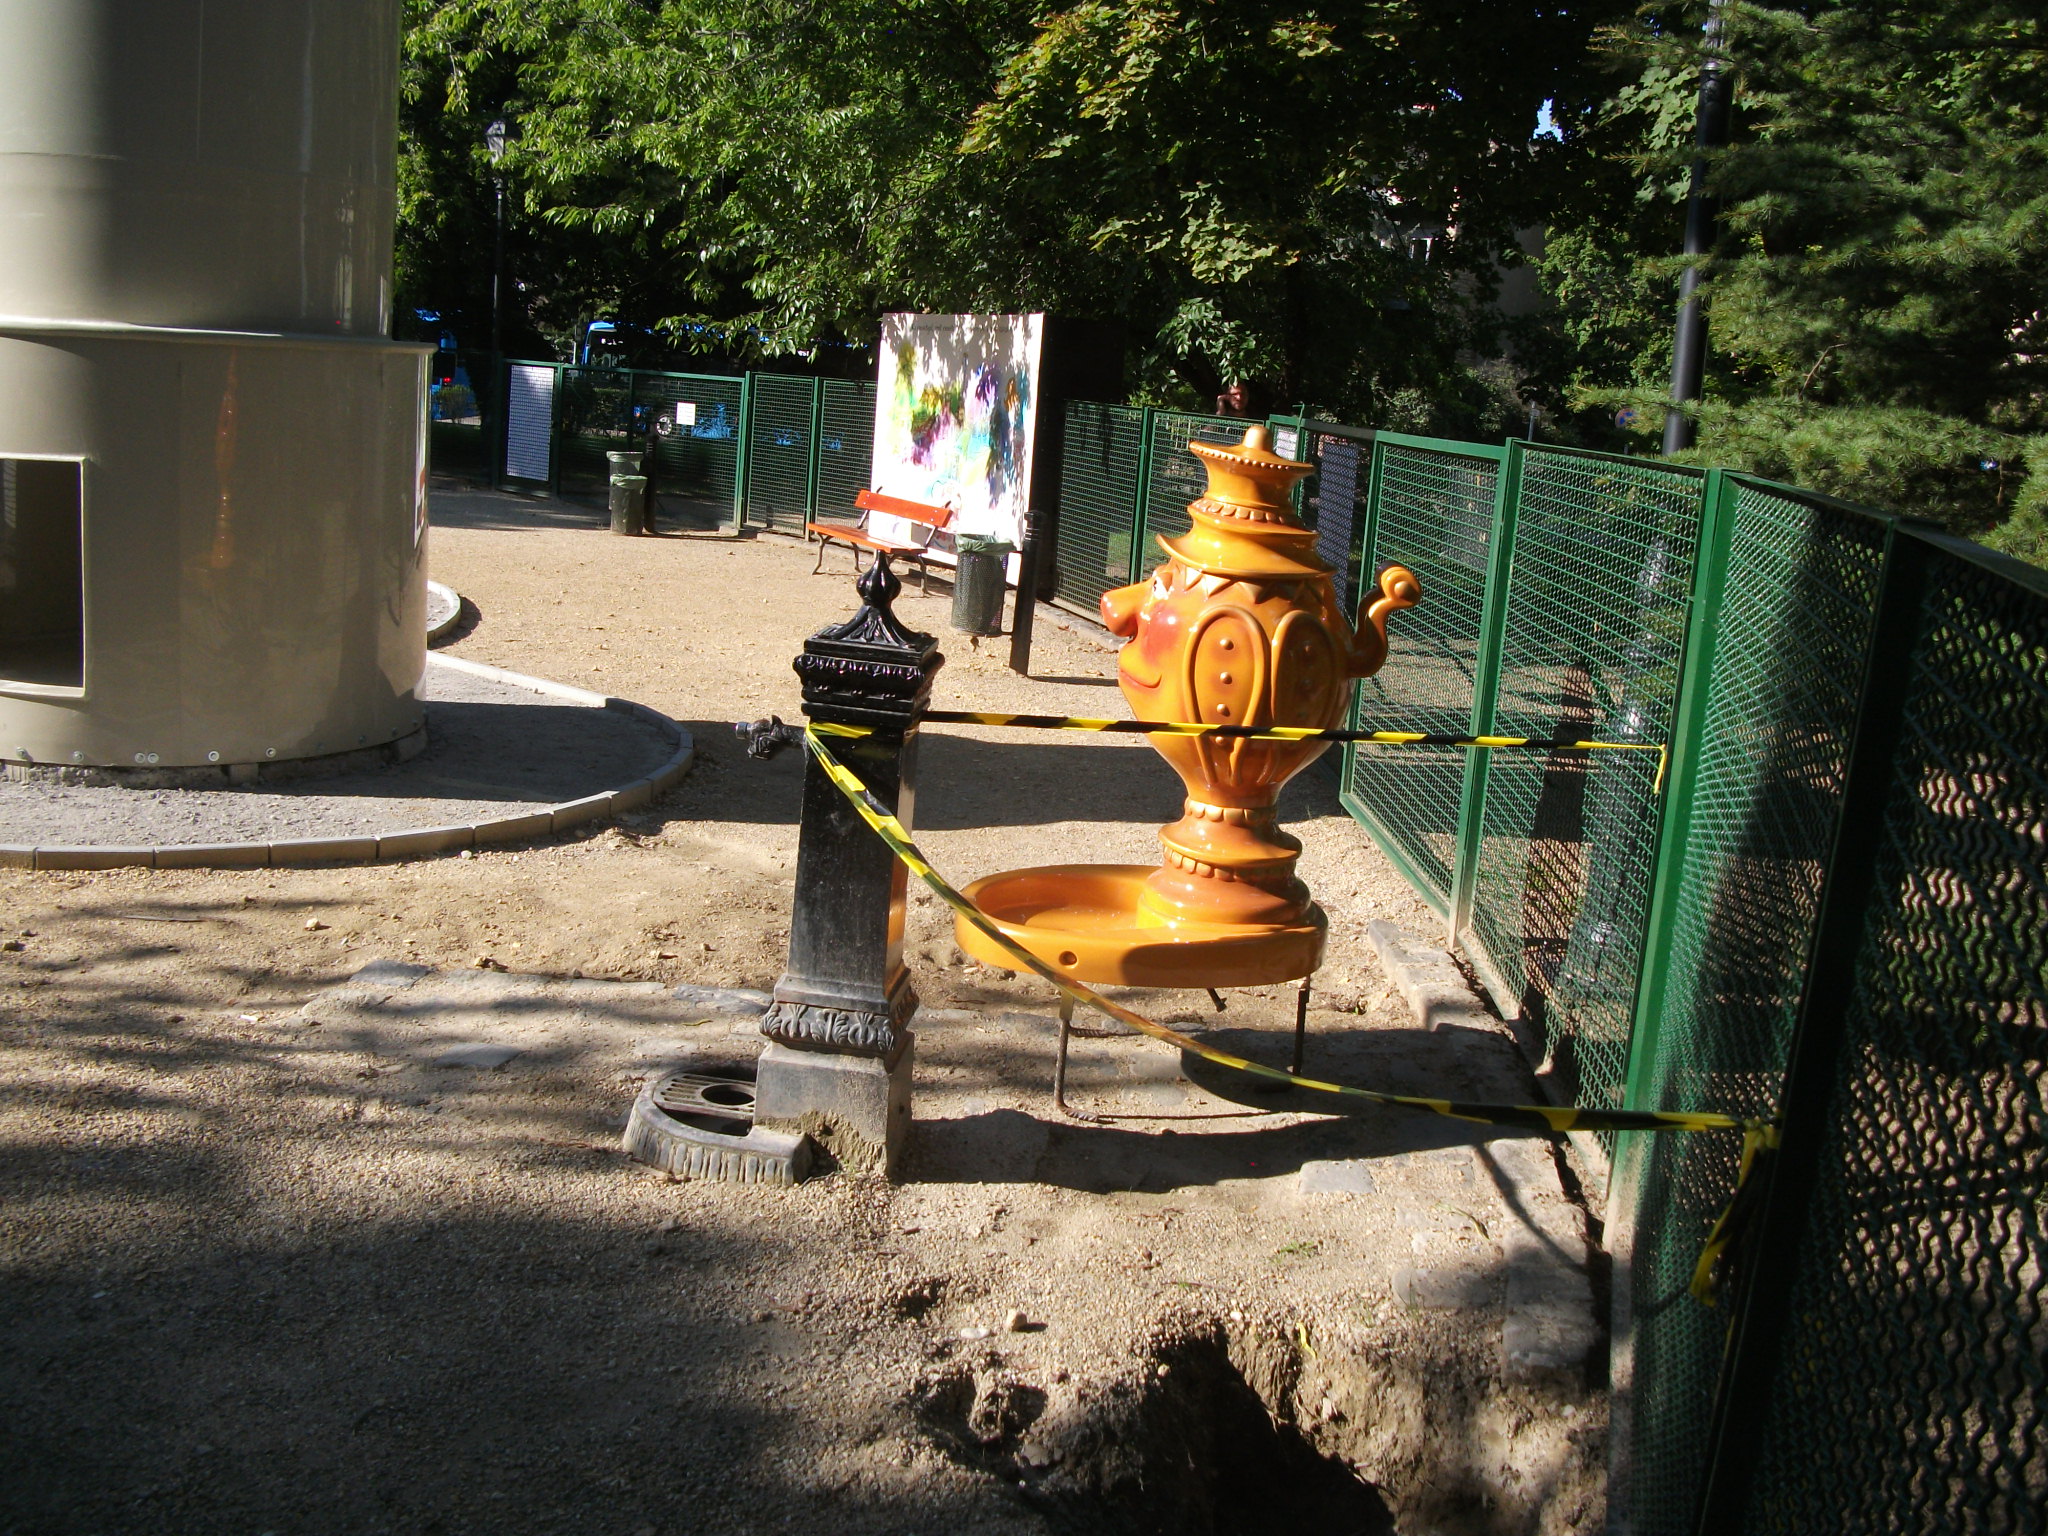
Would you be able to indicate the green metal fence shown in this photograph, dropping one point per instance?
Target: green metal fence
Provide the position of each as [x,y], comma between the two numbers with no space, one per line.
[1096,546]
[1889,1368]
[1834,912]
[781,438]
[1125,483]
[846,446]
[1173,477]
[1770,698]
[1430,506]
[697,449]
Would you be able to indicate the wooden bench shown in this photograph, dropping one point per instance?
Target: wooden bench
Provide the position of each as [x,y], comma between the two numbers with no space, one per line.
[857,537]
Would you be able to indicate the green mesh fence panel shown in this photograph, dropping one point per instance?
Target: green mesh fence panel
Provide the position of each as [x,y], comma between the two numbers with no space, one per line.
[846,447]
[697,457]
[1794,625]
[594,416]
[779,451]
[1176,477]
[1098,501]
[1596,608]
[1435,516]
[1910,1395]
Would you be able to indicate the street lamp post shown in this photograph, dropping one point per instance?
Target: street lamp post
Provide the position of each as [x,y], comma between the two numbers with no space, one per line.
[1702,212]
[494,146]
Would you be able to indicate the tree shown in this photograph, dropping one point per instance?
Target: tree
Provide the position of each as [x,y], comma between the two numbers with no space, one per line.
[1314,197]
[1875,313]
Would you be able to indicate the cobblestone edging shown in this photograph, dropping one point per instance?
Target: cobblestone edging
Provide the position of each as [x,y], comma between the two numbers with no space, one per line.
[412,842]
[1548,1324]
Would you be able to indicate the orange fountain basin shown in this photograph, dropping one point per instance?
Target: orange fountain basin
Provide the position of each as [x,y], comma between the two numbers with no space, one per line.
[1085,922]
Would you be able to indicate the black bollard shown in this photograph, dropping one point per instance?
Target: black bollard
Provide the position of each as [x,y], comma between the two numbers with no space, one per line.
[1032,556]
[838,1061]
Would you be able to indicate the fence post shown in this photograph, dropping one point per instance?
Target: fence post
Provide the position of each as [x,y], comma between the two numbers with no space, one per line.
[1749,1368]
[1507,497]
[1689,720]
[555,434]
[817,460]
[1146,423]
[743,460]
[1365,528]
[501,391]
[1031,554]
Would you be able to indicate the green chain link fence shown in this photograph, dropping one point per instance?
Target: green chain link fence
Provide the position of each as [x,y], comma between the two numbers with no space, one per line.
[1670,950]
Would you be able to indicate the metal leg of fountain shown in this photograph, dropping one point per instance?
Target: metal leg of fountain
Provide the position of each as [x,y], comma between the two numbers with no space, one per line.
[1059,1063]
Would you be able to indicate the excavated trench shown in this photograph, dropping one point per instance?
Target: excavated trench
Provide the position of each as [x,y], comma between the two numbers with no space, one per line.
[1184,1446]
[1244,1427]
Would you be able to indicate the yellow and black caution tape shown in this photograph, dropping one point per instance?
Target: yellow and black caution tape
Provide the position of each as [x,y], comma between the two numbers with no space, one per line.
[1533,1116]
[1728,1244]
[1293,733]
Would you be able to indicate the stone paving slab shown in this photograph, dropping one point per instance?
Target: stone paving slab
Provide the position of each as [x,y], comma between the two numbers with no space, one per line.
[504,760]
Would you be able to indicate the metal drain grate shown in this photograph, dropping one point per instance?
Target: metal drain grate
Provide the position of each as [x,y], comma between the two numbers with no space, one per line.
[723,1099]
[701,1126]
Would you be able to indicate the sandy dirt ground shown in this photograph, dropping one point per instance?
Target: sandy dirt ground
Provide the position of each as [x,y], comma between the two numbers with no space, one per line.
[263,1275]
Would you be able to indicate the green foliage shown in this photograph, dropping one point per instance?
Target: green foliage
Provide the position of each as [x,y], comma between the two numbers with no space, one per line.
[1876,322]
[1248,186]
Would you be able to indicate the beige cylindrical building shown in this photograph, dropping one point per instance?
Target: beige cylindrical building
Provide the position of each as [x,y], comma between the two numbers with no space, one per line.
[212,459]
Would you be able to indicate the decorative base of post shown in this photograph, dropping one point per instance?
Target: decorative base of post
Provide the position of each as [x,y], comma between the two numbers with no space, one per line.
[857,1108]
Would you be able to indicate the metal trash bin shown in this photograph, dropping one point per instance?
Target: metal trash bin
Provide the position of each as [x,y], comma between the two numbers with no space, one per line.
[978,584]
[629,503]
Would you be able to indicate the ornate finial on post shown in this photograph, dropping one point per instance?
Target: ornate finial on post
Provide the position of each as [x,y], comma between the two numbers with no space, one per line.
[839,1058]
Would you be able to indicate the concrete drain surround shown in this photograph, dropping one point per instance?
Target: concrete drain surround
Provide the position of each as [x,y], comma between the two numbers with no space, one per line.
[702,1127]
[508,758]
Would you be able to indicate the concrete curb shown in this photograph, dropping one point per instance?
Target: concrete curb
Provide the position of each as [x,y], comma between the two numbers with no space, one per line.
[408,843]
[444,610]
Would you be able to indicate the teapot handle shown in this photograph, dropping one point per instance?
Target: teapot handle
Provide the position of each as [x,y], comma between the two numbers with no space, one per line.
[1397,589]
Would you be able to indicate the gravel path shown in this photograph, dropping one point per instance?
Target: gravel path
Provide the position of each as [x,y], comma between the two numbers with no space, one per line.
[266,1266]
[493,749]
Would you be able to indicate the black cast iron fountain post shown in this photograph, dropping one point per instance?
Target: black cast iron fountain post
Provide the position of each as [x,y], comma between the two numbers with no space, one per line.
[838,1061]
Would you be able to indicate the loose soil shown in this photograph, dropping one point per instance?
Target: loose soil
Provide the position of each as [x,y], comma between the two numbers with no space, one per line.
[259,1275]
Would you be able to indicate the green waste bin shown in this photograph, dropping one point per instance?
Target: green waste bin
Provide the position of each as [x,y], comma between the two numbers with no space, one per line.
[978,584]
[629,503]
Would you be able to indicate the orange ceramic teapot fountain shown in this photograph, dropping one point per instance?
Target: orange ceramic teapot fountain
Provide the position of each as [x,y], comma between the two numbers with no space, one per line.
[1239,627]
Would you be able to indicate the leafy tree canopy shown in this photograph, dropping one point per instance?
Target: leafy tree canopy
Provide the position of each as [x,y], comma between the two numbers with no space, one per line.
[1311,196]
[1876,309]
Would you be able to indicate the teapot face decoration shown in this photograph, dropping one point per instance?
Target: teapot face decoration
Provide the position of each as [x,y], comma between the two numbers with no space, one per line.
[1241,626]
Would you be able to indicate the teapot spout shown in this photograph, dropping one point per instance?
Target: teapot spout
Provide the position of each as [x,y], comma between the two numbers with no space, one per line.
[1397,589]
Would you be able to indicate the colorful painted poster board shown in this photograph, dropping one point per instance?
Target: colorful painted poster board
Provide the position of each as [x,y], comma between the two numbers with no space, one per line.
[956,420]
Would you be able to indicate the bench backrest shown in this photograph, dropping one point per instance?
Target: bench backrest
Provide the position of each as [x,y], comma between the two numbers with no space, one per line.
[896,506]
